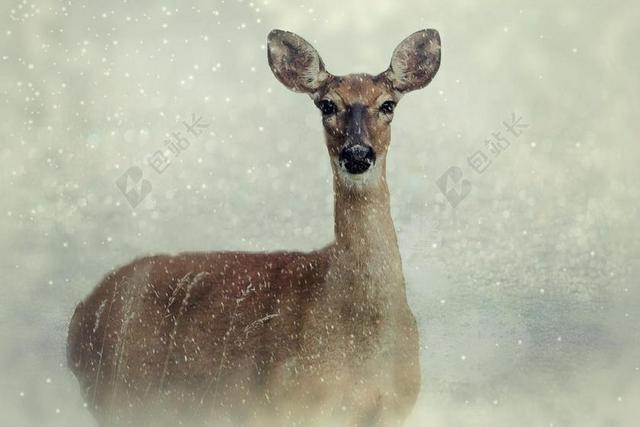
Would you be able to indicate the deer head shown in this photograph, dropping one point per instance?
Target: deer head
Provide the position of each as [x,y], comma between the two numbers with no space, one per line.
[357,109]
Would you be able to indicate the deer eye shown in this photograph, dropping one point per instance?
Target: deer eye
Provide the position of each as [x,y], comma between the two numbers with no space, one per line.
[327,107]
[387,107]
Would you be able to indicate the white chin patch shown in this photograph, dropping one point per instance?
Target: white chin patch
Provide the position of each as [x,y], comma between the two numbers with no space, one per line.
[360,180]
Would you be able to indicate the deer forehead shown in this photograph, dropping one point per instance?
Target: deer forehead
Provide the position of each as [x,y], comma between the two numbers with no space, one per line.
[360,89]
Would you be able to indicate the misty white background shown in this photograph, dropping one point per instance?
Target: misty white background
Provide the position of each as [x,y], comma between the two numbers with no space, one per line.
[527,293]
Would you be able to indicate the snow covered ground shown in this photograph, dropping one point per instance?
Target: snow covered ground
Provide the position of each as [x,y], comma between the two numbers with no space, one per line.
[527,292]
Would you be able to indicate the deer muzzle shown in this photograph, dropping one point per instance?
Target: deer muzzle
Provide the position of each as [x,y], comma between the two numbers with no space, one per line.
[357,158]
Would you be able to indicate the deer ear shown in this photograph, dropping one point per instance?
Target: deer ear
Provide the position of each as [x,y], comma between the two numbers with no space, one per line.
[415,61]
[295,62]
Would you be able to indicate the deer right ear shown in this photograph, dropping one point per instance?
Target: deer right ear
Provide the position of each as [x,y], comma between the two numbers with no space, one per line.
[415,61]
[295,62]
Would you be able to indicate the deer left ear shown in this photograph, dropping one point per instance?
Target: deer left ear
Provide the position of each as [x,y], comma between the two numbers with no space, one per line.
[415,61]
[295,62]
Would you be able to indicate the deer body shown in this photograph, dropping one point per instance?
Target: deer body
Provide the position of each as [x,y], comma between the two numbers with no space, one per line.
[273,339]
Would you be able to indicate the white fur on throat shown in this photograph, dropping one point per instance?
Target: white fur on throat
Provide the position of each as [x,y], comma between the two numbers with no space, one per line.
[359,181]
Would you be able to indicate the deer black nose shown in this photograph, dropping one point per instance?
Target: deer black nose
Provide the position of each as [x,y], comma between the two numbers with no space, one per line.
[357,158]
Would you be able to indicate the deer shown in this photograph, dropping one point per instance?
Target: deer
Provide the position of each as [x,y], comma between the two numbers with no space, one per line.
[288,338]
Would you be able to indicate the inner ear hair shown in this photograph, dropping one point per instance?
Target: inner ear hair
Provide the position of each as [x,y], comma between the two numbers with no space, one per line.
[295,63]
[415,61]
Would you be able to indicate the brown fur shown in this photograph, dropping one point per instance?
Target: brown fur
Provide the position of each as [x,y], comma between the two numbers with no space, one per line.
[266,339]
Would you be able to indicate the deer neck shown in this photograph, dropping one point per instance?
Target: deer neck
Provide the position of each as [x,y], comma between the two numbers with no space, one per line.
[366,264]
[363,295]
